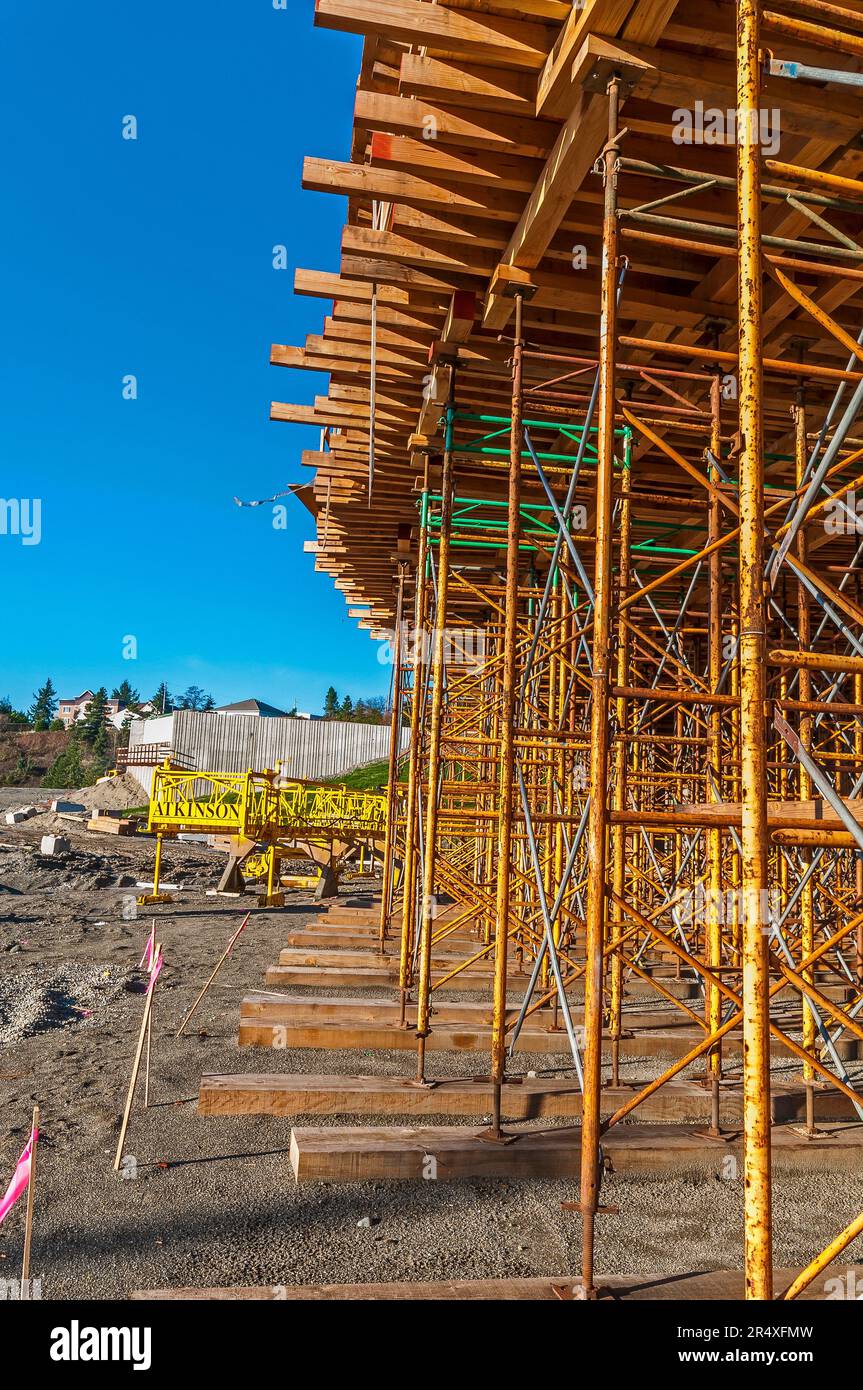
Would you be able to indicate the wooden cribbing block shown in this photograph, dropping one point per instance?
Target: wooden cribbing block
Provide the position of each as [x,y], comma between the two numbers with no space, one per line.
[447,1037]
[109,825]
[370,916]
[367,977]
[524,1098]
[296,1008]
[447,1153]
[722,1285]
[336,939]
[363,938]
[441,961]
[532,1098]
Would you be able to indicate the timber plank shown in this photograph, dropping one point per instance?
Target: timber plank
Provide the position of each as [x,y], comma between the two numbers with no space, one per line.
[389,1036]
[527,1098]
[358,1154]
[719,1284]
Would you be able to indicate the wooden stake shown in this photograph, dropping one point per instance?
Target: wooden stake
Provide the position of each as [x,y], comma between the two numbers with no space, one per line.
[136,1067]
[149,1022]
[147,1055]
[28,1223]
[219,964]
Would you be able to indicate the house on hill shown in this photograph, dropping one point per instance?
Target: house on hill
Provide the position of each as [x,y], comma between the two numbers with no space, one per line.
[258,707]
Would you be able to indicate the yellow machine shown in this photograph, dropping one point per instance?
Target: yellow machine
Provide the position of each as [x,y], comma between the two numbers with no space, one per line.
[264,818]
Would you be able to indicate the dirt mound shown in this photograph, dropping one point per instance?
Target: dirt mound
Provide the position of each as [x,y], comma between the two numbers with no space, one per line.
[47,997]
[117,794]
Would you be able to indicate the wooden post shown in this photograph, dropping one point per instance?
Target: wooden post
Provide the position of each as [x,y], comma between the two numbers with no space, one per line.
[24,1291]
[136,1067]
[220,962]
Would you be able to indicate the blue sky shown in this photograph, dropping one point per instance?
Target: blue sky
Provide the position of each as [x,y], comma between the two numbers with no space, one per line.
[154,258]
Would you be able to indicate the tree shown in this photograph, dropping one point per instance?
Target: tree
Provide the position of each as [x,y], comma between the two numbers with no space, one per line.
[101,748]
[95,713]
[44,706]
[14,717]
[162,701]
[347,708]
[125,694]
[331,704]
[208,704]
[67,769]
[194,698]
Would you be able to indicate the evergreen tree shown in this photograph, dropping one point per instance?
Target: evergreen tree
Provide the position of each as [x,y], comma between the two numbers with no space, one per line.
[162,701]
[15,718]
[21,774]
[208,704]
[44,706]
[95,712]
[347,708]
[67,769]
[125,694]
[331,704]
[101,753]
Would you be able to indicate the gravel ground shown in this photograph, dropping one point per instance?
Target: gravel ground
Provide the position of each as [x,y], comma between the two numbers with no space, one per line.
[212,1201]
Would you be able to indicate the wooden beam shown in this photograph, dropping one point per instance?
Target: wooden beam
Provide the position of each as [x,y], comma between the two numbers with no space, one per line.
[555,94]
[450,124]
[489,38]
[571,159]
[489,89]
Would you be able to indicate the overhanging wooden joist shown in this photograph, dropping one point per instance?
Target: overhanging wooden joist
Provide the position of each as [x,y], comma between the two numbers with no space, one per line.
[572,158]
[489,38]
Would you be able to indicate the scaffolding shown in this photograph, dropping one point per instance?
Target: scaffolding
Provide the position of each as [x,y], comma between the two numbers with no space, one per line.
[624,602]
